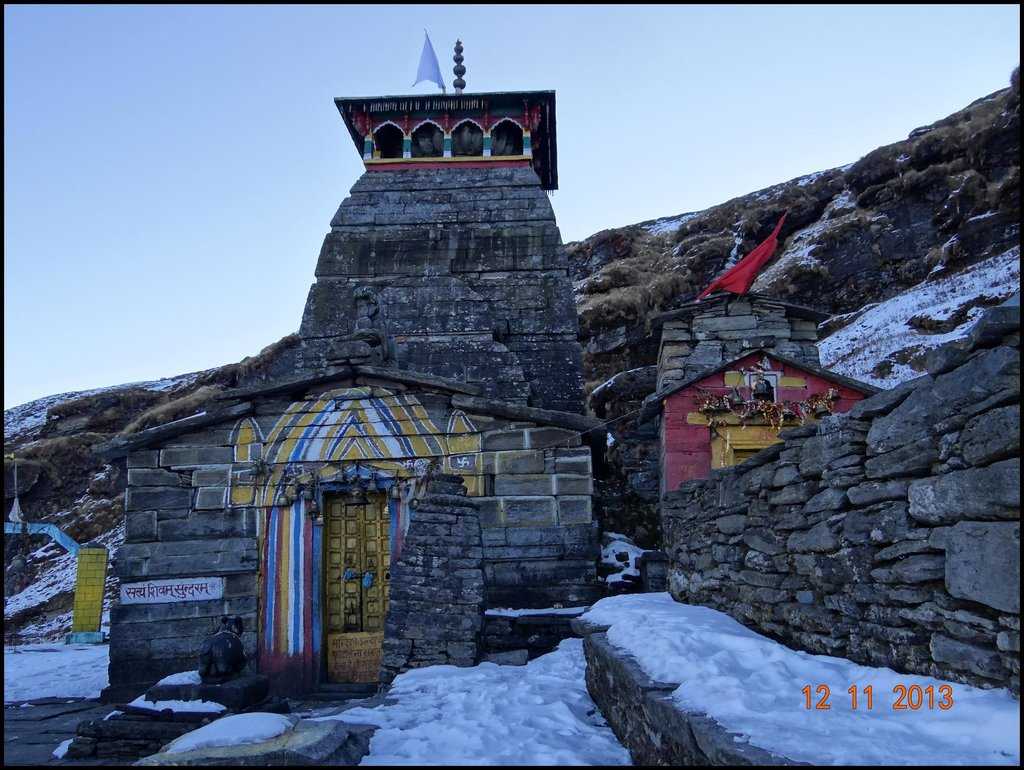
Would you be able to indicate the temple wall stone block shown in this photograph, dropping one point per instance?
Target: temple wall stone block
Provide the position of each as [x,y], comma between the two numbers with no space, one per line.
[470,275]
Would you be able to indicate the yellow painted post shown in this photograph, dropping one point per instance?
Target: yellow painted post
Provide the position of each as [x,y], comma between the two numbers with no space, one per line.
[92,575]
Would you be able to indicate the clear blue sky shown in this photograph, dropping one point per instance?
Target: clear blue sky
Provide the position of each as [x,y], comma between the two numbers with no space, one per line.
[170,172]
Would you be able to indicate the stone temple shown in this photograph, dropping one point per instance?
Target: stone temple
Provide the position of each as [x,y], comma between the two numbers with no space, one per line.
[422,456]
[449,239]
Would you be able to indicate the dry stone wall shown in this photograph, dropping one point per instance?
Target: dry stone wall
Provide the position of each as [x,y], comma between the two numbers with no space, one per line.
[435,611]
[697,339]
[889,535]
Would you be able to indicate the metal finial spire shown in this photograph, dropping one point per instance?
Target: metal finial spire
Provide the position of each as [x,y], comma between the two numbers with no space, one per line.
[458,69]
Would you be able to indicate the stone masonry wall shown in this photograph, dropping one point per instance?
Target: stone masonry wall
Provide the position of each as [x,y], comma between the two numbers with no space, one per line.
[539,534]
[174,527]
[889,535]
[471,276]
[435,612]
[695,342]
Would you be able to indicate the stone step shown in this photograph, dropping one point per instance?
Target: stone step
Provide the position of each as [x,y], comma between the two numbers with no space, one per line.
[353,690]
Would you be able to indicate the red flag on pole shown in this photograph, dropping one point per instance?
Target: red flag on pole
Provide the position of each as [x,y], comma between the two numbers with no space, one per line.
[738,278]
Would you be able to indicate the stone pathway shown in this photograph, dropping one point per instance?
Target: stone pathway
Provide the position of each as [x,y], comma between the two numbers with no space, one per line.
[31,733]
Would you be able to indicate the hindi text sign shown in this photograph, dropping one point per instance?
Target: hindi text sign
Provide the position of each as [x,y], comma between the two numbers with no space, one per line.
[173,590]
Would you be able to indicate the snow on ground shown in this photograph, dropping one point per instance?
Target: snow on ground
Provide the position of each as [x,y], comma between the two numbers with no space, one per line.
[54,671]
[752,685]
[235,730]
[62,749]
[188,706]
[882,329]
[539,713]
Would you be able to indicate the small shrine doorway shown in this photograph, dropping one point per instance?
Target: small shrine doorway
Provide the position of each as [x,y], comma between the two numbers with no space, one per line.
[357,559]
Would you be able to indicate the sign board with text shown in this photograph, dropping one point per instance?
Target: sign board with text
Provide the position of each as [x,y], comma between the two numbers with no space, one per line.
[173,590]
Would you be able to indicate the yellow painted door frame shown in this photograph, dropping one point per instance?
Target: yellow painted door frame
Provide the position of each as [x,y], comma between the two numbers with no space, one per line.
[727,440]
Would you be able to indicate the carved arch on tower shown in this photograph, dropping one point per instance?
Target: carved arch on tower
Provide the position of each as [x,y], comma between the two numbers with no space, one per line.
[427,140]
[468,139]
[507,137]
[387,140]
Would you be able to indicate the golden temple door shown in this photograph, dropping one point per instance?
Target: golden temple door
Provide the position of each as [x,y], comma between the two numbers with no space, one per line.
[357,559]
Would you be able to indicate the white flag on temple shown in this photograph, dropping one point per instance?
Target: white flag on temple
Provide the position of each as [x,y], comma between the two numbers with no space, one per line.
[429,69]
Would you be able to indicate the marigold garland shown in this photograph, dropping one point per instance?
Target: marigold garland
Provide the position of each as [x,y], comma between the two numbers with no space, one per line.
[775,413]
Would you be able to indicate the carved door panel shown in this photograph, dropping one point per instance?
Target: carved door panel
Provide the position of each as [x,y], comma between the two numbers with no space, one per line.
[357,563]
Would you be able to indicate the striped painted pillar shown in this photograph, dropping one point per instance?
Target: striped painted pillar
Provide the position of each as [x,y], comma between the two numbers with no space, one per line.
[487,144]
[527,147]
[368,147]
[407,146]
[447,144]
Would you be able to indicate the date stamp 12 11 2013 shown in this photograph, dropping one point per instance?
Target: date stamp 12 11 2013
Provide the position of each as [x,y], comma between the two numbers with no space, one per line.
[905,698]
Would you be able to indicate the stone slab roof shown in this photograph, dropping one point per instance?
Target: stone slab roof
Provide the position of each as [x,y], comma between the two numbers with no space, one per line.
[692,308]
[239,403]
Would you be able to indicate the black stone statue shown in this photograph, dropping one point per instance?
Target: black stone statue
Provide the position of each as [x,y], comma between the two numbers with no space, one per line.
[222,656]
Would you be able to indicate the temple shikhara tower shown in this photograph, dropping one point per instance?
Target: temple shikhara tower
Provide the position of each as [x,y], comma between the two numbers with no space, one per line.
[420,455]
[448,247]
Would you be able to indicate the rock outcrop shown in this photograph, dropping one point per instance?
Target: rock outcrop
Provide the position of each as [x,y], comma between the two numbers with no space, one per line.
[905,248]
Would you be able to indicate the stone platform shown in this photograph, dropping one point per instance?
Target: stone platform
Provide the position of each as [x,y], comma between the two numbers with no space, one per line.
[32,732]
[307,743]
[243,693]
[133,731]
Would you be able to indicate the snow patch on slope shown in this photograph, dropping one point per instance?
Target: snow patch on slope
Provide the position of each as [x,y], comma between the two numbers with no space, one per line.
[799,250]
[614,545]
[57,577]
[23,419]
[667,225]
[881,329]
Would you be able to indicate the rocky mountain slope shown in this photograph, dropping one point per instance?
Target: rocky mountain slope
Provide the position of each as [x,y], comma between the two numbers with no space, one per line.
[904,246]
[61,481]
